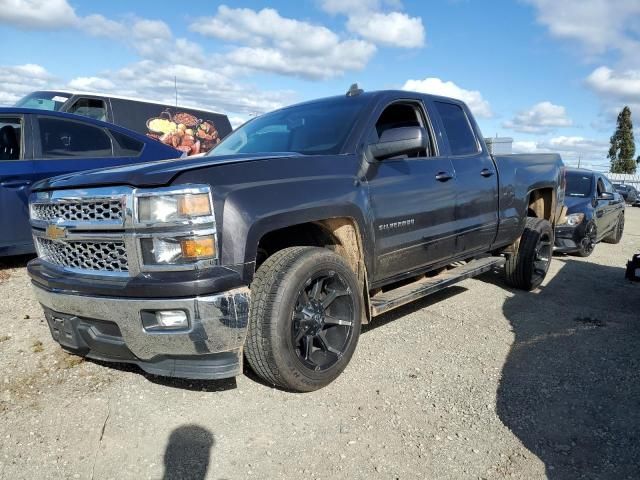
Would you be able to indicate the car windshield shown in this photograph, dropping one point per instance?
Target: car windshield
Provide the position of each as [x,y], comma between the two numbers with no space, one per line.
[579,184]
[43,101]
[319,128]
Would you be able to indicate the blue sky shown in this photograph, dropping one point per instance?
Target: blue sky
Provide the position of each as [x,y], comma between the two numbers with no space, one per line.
[550,74]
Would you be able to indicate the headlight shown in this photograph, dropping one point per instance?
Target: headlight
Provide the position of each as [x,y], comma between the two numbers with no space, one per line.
[177,250]
[170,207]
[575,219]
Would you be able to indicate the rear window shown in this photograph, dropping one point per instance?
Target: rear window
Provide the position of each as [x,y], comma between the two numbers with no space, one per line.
[129,147]
[579,184]
[63,138]
[458,129]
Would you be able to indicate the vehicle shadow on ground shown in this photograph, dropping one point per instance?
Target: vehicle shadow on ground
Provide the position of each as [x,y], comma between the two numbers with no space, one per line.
[19,261]
[170,382]
[377,322]
[570,386]
[187,454]
[412,307]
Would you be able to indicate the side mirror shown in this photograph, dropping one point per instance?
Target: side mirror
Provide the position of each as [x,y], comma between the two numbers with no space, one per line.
[399,141]
[606,196]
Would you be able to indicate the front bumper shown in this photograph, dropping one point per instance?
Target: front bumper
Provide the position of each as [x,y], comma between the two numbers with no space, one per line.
[110,329]
[568,238]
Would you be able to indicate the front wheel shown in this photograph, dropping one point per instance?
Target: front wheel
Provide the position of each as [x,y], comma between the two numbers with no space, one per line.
[588,243]
[527,268]
[304,320]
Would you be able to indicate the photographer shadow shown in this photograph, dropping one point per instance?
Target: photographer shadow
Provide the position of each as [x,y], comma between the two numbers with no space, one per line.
[187,453]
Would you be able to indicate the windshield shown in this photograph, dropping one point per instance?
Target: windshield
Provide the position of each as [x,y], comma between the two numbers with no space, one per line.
[312,129]
[579,184]
[43,101]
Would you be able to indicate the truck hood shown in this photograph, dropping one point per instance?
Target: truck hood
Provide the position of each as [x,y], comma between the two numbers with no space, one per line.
[149,174]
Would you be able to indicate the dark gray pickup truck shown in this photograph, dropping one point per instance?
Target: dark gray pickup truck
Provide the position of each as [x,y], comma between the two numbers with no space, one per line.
[300,226]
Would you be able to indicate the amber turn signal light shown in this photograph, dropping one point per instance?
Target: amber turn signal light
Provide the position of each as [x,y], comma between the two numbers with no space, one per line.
[198,248]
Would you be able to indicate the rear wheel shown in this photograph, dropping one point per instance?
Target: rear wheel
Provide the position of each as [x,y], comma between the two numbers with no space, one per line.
[304,320]
[588,243]
[527,268]
[615,236]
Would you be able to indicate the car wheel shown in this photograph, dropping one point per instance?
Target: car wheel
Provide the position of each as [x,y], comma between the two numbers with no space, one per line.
[588,243]
[304,319]
[615,236]
[527,268]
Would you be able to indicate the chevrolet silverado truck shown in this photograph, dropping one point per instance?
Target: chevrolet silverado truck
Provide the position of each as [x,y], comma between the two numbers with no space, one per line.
[299,227]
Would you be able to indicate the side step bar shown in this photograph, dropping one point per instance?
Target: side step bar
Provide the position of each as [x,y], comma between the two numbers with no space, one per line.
[383,302]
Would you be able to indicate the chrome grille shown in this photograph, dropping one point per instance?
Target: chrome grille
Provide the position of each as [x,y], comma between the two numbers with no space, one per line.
[95,256]
[87,211]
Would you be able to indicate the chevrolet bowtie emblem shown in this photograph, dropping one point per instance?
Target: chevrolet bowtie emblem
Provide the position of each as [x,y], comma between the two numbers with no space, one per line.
[55,232]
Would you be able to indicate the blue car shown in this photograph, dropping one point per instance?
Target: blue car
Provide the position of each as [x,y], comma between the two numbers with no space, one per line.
[36,144]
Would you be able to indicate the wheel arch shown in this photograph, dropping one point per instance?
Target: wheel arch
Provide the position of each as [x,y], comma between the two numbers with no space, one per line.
[340,234]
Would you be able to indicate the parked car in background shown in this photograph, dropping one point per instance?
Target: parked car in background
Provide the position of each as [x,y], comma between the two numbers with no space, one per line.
[629,193]
[321,215]
[37,144]
[595,212]
[189,130]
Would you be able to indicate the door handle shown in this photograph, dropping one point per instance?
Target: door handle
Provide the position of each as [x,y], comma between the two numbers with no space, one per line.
[443,176]
[15,183]
[486,173]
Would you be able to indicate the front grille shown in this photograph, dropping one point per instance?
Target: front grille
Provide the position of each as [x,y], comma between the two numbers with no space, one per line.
[80,211]
[84,255]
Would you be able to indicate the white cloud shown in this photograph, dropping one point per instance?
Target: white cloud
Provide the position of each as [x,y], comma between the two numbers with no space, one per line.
[100,26]
[369,19]
[599,25]
[37,14]
[525,146]
[591,153]
[91,84]
[273,43]
[623,85]
[393,29]
[473,98]
[350,6]
[198,87]
[541,118]
[19,80]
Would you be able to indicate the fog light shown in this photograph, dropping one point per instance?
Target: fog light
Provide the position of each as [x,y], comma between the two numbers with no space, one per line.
[172,319]
[165,320]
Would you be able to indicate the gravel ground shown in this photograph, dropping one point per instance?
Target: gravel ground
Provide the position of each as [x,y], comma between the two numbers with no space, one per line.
[479,381]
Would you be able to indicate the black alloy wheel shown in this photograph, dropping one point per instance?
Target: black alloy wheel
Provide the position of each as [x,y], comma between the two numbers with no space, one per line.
[542,257]
[322,320]
[588,242]
[307,305]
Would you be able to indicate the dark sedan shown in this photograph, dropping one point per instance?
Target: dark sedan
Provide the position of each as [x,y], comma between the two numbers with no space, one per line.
[37,144]
[595,212]
[629,193]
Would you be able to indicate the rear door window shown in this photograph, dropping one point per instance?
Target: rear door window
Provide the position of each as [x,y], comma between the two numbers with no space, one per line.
[128,146]
[462,140]
[10,138]
[65,138]
[90,107]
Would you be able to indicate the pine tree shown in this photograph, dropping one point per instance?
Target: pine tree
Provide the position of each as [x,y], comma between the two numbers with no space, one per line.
[623,147]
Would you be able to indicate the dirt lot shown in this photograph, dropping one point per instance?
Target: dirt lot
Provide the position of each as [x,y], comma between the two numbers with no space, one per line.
[479,381]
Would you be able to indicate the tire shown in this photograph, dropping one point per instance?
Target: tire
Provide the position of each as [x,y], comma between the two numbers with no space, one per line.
[527,268]
[588,244]
[294,342]
[615,236]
